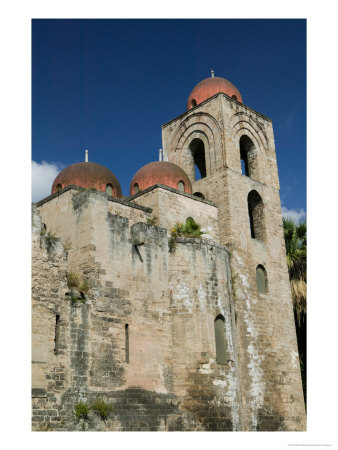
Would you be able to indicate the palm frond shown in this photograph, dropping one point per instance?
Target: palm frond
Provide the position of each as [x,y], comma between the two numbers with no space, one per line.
[298,291]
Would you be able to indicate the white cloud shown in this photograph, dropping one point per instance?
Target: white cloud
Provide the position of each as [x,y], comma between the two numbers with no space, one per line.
[295,214]
[43,176]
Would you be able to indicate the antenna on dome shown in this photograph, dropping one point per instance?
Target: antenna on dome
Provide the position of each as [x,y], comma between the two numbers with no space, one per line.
[160,157]
[212,73]
[86,157]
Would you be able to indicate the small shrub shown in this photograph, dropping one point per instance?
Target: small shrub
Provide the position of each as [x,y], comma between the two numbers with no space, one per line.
[101,407]
[50,238]
[73,280]
[81,410]
[189,229]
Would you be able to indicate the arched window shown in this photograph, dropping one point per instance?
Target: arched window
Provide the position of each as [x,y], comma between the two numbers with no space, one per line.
[58,187]
[181,186]
[256,215]
[109,189]
[261,279]
[234,96]
[193,102]
[136,188]
[247,152]
[221,356]
[199,194]
[198,153]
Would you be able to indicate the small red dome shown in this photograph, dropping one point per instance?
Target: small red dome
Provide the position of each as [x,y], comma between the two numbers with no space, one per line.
[160,172]
[88,175]
[209,87]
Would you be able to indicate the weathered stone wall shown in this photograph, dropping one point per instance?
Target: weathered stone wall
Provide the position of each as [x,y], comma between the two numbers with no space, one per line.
[50,372]
[272,397]
[163,374]
[265,326]
[171,207]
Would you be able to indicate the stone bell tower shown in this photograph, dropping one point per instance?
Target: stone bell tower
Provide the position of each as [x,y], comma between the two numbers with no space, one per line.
[231,148]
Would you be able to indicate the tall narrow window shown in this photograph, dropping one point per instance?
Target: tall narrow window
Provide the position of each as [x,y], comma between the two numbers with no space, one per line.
[256,215]
[248,160]
[136,188]
[126,335]
[261,279]
[198,153]
[58,187]
[221,357]
[57,333]
[193,103]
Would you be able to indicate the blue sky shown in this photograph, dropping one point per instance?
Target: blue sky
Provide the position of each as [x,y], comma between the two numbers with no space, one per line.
[109,85]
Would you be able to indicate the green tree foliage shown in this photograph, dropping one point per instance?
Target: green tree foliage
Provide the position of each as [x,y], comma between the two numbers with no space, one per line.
[295,244]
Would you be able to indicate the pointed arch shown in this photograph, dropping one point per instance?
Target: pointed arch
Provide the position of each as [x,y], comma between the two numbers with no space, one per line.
[250,140]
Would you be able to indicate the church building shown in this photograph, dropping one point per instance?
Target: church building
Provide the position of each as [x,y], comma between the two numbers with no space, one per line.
[170,309]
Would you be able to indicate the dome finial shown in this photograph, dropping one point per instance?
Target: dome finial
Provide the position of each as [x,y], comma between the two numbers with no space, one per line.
[86,157]
[212,73]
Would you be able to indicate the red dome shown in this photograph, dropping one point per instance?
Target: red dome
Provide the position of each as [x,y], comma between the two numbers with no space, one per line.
[160,172]
[209,87]
[88,175]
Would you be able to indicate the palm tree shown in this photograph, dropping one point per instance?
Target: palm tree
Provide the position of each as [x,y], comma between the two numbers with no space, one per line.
[295,244]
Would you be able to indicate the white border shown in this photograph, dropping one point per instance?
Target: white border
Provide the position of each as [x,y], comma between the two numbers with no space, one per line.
[15,231]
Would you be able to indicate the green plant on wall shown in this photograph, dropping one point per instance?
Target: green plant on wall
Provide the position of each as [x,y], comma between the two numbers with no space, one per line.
[73,280]
[78,287]
[81,410]
[189,229]
[50,238]
[152,221]
[101,407]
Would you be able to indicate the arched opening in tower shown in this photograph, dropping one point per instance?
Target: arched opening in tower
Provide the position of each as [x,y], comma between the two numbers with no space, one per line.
[261,279]
[247,152]
[198,153]
[256,215]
